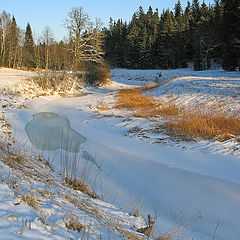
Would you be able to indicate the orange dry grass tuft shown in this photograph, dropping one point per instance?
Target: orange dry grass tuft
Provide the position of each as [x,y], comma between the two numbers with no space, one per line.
[164,110]
[206,126]
[144,106]
[195,124]
[133,99]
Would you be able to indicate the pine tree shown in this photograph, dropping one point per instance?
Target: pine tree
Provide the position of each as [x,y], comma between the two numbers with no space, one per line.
[12,39]
[231,32]
[28,49]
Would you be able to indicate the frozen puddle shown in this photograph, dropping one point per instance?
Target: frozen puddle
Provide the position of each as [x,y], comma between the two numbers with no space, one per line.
[50,132]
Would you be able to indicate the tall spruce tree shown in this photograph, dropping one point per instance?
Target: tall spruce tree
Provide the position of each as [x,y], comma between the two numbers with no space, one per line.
[231,32]
[13,35]
[197,34]
[28,49]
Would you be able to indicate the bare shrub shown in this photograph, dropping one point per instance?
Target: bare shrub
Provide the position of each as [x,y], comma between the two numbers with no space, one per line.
[51,82]
[97,74]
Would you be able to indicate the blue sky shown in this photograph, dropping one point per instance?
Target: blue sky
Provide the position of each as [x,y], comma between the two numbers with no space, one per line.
[41,13]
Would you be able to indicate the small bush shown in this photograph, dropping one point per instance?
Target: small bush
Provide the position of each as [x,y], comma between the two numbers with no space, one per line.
[97,74]
[58,82]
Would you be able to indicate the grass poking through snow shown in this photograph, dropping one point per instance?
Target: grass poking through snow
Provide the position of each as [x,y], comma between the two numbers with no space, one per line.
[73,224]
[80,185]
[205,126]
[144,106]
[30,200]
[180,122]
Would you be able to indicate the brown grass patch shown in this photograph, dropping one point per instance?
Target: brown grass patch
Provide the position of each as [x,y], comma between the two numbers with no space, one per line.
[13,160]
[73,224]
[144,106]
[80,185]
[180,122]
[206,126]
[133,99]
[30,200]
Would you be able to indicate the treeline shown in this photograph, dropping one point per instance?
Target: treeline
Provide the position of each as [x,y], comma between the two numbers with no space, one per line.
[199,34]
[18,48]
[84,47]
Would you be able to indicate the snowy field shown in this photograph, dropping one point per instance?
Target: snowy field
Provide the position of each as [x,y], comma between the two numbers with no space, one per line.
[192,188]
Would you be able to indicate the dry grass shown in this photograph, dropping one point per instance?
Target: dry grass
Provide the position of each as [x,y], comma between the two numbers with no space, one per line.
[133,99]
[73,224]
[13,160]
[58,82]
[163,110]
[30,200]
[80,185]
[102,107]
[144,106]
[196,124]
[205,126]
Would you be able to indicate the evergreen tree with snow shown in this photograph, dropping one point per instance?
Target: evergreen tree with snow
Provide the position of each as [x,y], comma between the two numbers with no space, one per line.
[28,49]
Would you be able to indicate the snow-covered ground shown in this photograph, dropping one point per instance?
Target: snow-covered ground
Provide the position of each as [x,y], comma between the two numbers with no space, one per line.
[192,188]
[34,201]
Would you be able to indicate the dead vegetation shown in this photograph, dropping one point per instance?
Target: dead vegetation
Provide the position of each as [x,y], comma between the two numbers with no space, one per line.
[205,126]
[31,200]
[144,106]
[54,82]
[72,223]
[179,121]
[80,185]
[14,160]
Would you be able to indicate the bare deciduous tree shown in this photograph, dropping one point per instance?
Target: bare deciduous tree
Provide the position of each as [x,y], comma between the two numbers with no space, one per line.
[86,39]
[48,39]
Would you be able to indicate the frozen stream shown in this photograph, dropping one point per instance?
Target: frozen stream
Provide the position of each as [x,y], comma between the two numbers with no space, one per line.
[194,190]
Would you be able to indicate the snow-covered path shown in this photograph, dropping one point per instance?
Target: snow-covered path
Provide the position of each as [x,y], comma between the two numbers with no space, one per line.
[191,189]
